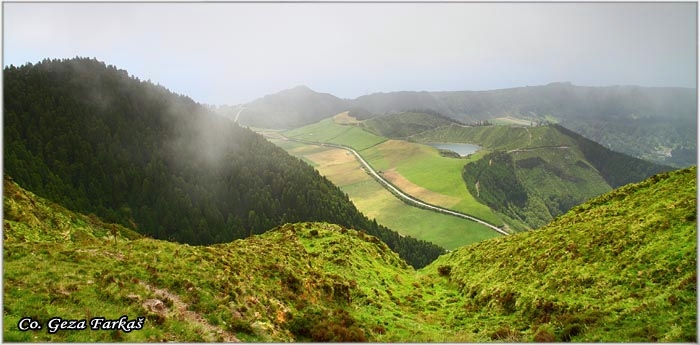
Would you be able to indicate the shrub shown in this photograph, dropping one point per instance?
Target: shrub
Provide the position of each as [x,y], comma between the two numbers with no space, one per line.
[445,270]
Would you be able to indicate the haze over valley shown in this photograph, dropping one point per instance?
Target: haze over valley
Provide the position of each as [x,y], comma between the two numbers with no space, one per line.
[383,172]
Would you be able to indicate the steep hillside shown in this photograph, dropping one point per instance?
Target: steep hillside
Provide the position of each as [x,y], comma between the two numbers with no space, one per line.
[28,218]
[291,108]
[533,174]
[297,282]
[95,140]
[621,267]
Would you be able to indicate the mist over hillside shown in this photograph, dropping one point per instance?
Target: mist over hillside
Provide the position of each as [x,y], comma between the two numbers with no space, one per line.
[653,123]
[92,138]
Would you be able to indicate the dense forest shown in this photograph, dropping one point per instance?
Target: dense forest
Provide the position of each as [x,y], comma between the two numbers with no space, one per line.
[96,140]
[493,181]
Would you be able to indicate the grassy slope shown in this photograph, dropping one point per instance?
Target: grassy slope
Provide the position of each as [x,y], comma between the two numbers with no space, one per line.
[376,202]
[621,267]
[550,165]
[618,268]
[420,164]
[310,281]
[29,218]
[328,132]
[404,125]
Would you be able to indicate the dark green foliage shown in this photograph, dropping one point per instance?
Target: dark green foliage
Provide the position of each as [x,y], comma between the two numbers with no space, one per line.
[498,186]
[291,108]
[403,125]
[616,168]
[326,326]
[92,138]
[445,270]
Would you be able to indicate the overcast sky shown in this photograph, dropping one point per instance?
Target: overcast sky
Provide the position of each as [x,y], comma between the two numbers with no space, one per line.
[231,53]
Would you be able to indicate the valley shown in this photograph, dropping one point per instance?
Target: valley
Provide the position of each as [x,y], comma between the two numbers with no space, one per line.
[377,202]
[600,277]
[658,124]
[334,220]
[549,166]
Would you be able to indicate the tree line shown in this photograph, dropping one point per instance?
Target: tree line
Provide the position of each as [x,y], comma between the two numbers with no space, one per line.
[96,140]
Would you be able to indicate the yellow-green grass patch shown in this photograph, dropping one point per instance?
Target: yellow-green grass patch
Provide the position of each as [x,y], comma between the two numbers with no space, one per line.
[422,165]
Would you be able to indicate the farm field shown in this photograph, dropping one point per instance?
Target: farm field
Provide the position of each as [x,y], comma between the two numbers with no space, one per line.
[406,165]
[327,131]
[422,165]
[376,202]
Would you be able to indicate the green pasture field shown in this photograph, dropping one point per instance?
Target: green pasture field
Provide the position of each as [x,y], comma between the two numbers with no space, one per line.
[423,166]
[420,164]
[327,131]
[376,202]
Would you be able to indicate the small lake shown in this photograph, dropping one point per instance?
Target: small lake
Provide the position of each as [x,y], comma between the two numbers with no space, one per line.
[461,149]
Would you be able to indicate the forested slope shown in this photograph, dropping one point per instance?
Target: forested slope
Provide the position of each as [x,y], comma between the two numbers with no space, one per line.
[92,138]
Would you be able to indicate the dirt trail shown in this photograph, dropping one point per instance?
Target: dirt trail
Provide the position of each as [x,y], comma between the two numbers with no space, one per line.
[179,310]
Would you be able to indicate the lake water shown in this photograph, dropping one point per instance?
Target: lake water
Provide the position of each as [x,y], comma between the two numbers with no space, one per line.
[461,149]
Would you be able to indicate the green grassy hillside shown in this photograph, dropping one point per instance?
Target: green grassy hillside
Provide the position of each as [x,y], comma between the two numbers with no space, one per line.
[29,218]
[555,168]
[327,131]
[405,124]
[621,267]
[297,282]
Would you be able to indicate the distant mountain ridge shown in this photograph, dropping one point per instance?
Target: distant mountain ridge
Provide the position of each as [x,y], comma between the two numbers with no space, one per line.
[290,107]
[652,123]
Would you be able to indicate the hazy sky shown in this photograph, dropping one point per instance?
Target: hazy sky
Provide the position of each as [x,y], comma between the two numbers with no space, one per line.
[230,53]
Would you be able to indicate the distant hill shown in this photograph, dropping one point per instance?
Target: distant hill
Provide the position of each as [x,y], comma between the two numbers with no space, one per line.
[405,124]
[619,268]
[533,174]
[657,124]
[95,140]
[291,108]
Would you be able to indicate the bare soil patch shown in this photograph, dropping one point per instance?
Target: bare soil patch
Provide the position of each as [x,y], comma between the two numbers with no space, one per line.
[344,118]
[179,309]
[417,191]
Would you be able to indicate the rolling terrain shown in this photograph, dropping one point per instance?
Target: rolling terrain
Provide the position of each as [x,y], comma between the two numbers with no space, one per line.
[525,175]
[533,174]
[621,267]
[377,202]
[656,124]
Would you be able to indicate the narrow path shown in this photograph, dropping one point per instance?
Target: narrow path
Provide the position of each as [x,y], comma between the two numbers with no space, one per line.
[527,149]
[238,115]
[181,312]
[386,184]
